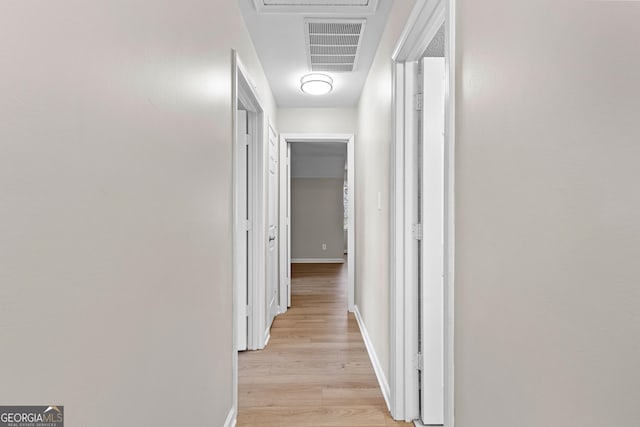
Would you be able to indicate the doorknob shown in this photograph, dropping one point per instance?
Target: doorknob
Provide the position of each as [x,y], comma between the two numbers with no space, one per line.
[272,238]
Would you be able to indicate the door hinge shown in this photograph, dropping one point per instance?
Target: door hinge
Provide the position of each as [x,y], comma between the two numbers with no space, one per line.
[417,231]
[248,225]
[246,139]
[417,363]
[418,101]
[247,310]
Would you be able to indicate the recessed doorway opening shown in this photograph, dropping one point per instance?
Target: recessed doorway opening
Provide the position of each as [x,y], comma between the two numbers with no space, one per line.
[317,144]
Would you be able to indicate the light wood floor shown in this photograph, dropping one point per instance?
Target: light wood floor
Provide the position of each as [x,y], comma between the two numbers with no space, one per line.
[315,370]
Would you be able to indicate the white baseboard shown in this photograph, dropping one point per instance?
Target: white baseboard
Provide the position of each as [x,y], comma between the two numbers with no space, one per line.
[377,367]
[231,418]
[317,261]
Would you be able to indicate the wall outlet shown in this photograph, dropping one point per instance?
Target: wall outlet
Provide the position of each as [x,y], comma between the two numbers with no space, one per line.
[324,246]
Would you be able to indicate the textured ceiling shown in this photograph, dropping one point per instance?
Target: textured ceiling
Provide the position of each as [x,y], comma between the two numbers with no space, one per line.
[436,47]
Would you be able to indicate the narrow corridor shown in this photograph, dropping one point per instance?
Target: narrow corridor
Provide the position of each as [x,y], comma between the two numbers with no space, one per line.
[315,370]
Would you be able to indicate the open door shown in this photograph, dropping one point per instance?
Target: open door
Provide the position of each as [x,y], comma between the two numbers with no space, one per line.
[285,225]
[241,156]
[432,244]
[273,243]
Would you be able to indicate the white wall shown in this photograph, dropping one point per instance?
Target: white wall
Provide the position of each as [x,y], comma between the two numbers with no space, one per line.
[548,214]
[318,159]
[115,221]
[317,217]
[373,152]
[317,120]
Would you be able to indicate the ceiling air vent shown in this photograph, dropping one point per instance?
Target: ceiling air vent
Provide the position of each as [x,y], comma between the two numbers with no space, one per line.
[333,45]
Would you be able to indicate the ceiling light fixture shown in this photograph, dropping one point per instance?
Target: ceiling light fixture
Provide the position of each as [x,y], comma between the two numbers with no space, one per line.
[316,84]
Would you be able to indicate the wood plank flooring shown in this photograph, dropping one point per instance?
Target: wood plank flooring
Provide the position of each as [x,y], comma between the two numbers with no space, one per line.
[315,371]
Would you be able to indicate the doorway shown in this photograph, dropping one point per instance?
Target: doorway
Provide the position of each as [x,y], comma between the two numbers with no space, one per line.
[250,239]
[249,269]
[422,219]
[286,141]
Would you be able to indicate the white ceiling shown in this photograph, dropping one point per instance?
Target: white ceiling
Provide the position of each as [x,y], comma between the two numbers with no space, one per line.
[318,159]
[279,39]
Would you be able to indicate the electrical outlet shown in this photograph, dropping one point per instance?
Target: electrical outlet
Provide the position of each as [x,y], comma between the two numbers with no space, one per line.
[324,246]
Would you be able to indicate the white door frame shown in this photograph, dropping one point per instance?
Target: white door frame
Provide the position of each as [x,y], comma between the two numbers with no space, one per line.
[243,93]
[285,244]
[424,22]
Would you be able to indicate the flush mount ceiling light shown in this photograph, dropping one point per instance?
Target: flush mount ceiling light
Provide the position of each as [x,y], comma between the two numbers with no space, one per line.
[316,84]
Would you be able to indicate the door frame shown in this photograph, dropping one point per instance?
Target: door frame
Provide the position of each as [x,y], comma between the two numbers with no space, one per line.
[424,22]
[285,180]
[243,93]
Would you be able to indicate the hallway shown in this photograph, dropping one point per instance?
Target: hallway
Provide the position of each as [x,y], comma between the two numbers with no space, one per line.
[315,371]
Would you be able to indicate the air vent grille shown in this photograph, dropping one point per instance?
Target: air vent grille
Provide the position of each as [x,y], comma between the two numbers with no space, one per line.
[333,40]
[331,59]
[335,28]
[334,45]
[333,50]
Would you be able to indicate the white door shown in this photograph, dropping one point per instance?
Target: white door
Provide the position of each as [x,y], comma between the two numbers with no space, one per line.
[285,238]
[241,156]
[432,244]
[288,219]
[272,250]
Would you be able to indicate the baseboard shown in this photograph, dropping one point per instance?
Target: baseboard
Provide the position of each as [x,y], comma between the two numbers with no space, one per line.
[317,261]
[377,367]
[231,418]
